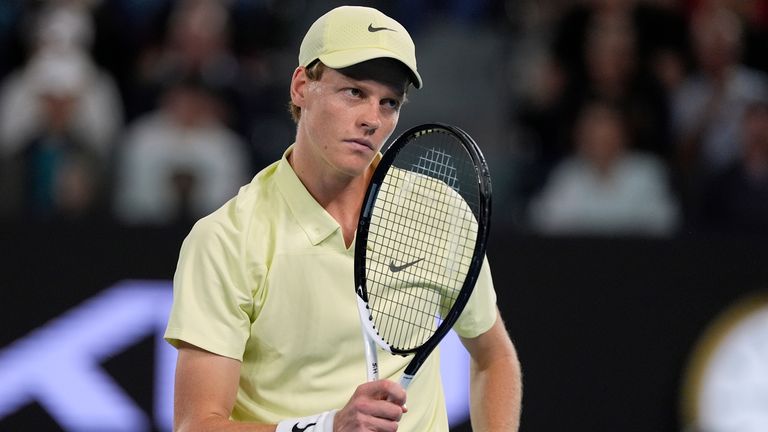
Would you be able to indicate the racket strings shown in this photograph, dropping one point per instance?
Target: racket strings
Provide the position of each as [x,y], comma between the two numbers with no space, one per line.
[437,164]
[423,233]
[408,317]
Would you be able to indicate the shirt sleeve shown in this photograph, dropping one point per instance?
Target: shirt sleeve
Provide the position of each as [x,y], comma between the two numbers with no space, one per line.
[212,305]
[480,312]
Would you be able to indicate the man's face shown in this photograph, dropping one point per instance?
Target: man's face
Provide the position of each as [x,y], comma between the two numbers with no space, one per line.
[347,115]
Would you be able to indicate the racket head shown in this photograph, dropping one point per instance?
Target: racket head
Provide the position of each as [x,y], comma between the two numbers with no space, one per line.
[421,237]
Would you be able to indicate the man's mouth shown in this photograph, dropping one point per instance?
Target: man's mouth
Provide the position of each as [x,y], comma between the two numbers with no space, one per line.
[362,142]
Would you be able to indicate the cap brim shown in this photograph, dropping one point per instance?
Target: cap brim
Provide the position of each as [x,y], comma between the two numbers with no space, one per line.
[342,59]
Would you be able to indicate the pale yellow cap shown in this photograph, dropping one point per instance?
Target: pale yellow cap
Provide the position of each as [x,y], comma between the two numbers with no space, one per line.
[349,35]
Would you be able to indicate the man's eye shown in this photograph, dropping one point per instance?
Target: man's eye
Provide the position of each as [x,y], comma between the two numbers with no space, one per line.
[391,103]
[354,92]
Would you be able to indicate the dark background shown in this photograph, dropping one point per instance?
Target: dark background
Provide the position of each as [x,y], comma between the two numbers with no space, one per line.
[603,327]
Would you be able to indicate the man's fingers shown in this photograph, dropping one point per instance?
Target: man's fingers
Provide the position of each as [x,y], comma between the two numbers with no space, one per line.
[375,406]
[385,390]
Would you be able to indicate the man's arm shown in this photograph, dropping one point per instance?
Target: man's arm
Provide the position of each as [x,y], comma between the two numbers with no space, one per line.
[205,391]
[496,380]
[206,388]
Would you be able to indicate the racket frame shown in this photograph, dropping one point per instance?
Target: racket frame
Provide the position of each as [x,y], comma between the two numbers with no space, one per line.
[371,336]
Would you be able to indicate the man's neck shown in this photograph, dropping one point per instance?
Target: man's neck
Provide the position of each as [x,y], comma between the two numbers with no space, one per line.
[340,196]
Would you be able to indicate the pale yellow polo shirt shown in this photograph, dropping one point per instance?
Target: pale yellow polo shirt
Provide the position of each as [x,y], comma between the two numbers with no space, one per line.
[267,280]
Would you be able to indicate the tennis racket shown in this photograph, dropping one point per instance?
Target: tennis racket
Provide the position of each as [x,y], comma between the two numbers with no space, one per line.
[420,242]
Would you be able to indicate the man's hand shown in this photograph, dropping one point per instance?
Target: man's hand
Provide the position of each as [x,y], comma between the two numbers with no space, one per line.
[375,406]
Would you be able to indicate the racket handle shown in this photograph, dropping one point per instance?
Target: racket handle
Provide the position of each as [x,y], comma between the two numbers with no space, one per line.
[405,380]
[371,357]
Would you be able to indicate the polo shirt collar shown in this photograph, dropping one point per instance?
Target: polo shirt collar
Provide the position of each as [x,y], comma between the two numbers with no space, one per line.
[311,216]
[317,223]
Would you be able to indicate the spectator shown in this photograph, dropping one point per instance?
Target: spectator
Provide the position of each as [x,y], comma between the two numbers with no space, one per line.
[709,106]
[753,15]
[56,165]
[605,188]
[179,162]
[736,199]
[622,50]
[59,114]
[58,43]
[199,40]
[613,73]
[196,43]
[606,63]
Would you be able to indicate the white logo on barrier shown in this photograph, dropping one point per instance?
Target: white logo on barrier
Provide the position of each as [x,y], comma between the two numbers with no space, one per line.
[58,365]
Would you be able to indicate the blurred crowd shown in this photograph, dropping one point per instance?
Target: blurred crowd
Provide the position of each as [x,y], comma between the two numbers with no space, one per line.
[647,117]
[615,117]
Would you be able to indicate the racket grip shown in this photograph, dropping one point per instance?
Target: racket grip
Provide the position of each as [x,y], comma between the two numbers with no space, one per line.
[371,356]
[405,380]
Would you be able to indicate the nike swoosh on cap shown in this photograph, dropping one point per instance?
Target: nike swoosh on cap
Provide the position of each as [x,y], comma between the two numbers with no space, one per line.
[373,29]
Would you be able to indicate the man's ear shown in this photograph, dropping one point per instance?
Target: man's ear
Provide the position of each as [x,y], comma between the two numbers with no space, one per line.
[299,86]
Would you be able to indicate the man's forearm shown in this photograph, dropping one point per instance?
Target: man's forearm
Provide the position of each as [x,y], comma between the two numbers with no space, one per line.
[220,424]
[496,395]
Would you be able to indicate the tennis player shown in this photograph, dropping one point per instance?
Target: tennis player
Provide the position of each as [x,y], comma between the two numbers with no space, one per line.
[264,314]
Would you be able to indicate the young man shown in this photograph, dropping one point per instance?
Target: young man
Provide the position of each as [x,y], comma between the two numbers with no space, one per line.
[264,312]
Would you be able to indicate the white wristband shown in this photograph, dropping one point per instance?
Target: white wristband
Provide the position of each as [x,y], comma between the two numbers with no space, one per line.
[322,422]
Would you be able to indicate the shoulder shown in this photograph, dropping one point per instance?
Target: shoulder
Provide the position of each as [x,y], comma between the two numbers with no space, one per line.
[752,79]
[238,215]
[150,125]
[571,170]
[647,163]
